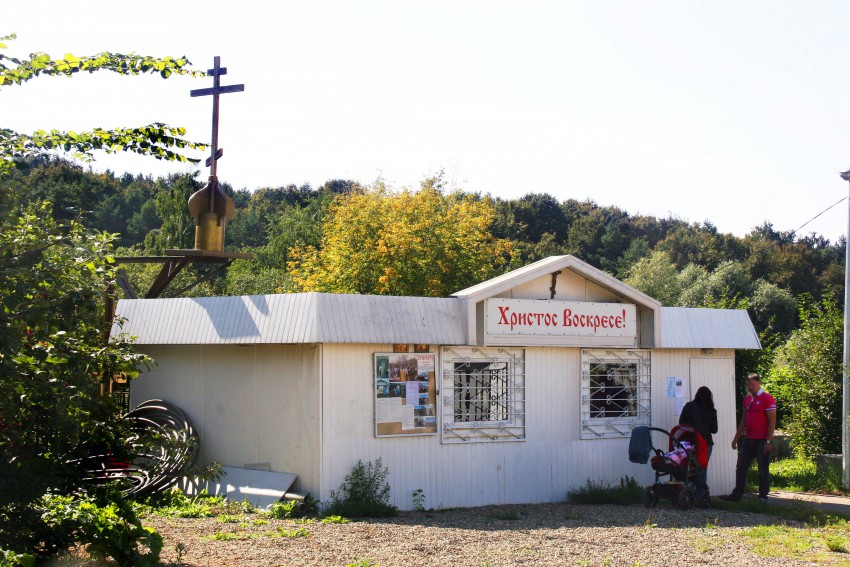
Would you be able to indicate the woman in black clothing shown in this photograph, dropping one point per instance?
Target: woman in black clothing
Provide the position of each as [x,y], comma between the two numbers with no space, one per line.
[701,415]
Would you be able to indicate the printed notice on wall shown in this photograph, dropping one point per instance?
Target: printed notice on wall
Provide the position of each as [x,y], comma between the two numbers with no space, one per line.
[671,387]
[680,395]
[405,394]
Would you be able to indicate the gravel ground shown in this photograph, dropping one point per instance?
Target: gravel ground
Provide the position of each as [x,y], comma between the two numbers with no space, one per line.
[546,534]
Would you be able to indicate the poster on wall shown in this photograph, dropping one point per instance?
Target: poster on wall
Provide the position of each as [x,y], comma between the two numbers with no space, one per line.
[405,394]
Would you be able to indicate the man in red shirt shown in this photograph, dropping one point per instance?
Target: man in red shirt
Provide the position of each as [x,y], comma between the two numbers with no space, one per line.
[758,423]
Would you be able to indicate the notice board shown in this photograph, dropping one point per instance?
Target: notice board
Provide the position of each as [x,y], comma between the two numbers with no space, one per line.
[405,394]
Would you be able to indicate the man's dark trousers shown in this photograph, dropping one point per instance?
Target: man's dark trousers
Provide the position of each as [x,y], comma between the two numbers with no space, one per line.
[749,449]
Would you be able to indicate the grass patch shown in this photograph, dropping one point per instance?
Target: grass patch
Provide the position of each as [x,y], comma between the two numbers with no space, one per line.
[175,504]
[292,534]
[708,543]
[799,475]
[818,543]
[226,536]
[799,511]
[779,541]
[600,492]
[836,544]
[335,520]
[243,535]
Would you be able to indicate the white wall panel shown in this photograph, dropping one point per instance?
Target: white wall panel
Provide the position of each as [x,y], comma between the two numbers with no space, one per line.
[251,404]
[551,460]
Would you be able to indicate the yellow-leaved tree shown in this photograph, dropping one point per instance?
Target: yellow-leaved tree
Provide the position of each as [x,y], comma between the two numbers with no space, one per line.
[426,243]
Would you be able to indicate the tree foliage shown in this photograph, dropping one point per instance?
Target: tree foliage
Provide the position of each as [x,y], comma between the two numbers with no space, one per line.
[53,360]
[806,379]
[425,243]
[54,356]
[156,139]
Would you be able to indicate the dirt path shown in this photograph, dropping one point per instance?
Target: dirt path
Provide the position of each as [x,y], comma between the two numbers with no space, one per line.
[549,534]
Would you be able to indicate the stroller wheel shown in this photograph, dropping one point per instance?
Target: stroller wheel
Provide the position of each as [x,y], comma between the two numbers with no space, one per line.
[686,499]
[705,500]
[650,497]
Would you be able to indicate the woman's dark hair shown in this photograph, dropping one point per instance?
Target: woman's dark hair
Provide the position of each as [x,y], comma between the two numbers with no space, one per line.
[704,399]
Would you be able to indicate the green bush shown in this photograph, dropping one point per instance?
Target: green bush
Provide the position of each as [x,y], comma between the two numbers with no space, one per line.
[364,493]
[106,524]
[285,509]
[602,492]
[806,380]
[12,559]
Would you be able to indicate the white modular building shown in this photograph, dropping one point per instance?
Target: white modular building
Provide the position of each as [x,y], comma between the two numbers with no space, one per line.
[515,390]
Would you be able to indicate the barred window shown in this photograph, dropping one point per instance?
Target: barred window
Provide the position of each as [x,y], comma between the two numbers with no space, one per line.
[615,392]
[484,395]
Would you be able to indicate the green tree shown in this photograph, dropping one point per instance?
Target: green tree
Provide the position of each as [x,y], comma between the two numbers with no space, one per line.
[656,276]
[424,243]
[53,360]
[773,308]
[637,250]
[53,353]
[806,379]
[176,226]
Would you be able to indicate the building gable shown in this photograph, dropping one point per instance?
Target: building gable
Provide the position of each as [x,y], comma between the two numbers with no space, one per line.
[553,281]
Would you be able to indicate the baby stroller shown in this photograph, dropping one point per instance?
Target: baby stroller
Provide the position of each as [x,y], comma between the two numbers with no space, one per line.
[678,471]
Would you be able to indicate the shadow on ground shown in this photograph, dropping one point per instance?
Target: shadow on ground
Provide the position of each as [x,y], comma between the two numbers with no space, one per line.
[556,516]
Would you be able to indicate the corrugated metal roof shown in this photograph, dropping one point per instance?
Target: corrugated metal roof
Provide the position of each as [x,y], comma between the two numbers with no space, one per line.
[684,327]
[292,318]
[339,318]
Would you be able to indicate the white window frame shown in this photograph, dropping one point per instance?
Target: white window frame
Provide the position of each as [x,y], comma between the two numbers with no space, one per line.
[458,425]
[639,399]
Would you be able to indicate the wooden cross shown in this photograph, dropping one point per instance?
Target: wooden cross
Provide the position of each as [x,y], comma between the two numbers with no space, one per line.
[216,72]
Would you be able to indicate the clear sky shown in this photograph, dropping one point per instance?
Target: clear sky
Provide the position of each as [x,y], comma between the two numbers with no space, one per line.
[735,112]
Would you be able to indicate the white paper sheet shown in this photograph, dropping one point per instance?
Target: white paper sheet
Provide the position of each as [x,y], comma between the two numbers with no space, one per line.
[671,386]
[412,393]
[382,410]
[395,409]
[407,418]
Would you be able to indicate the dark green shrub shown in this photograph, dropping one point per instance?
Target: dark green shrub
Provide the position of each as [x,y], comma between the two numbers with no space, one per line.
[628,492]
[364,493]
[12,559]
[107,525]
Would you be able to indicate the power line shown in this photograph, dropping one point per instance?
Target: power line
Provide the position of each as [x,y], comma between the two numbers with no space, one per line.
[770,242]
[838,202]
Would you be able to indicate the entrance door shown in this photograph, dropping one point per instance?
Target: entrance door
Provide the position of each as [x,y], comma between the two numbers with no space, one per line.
[718,374]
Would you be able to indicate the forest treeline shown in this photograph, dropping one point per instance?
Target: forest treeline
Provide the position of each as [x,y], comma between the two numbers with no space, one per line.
[287,228]
[344,237]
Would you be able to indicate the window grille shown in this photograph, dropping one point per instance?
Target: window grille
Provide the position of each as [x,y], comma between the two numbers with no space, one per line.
[615,392]
[483,395]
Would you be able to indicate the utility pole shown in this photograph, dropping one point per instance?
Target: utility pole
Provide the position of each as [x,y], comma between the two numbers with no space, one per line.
[845,389]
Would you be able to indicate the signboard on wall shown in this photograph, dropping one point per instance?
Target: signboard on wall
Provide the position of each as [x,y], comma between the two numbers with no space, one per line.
[405,394]
[549,322]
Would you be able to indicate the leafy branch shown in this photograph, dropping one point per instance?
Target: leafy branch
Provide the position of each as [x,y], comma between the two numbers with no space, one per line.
[157,139]
[39,63]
